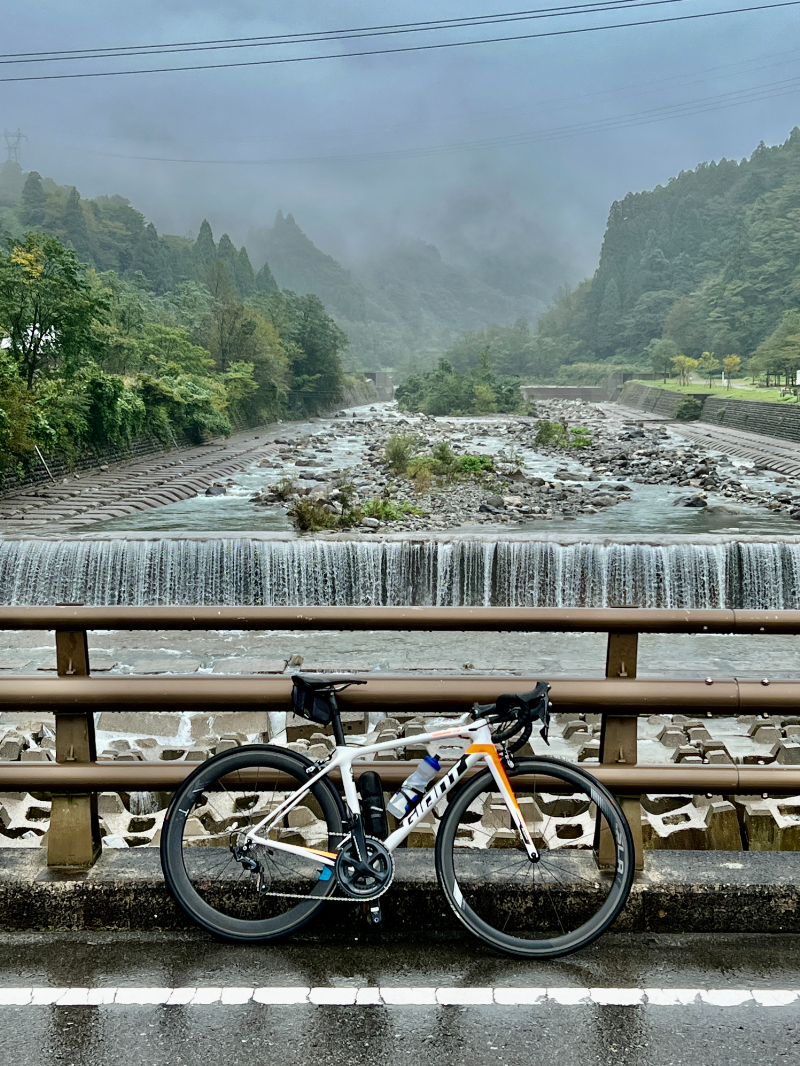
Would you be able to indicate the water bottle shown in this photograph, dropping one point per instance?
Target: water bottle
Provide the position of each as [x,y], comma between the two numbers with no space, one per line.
[413,787]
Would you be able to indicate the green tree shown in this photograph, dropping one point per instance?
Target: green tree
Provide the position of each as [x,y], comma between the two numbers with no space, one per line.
[684,365]
[708,365]
[608,319]
[47,309]
[245,278]
[75,228]
[19,415]
[731,365]
[226,253]
[313,345]
[149,260]
[204,252]
[168,350]
[33,201]
[661,354]
[779,354]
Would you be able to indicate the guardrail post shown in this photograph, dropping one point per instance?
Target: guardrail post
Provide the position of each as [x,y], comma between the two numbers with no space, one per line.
[618,743]
[73,839]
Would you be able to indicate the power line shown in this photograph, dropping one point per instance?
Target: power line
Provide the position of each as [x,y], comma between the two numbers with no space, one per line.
[559,103]
[403,49]
[636,118]
[323,35]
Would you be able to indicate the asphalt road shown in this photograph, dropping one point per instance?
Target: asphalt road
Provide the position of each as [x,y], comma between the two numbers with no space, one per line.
[689,1000]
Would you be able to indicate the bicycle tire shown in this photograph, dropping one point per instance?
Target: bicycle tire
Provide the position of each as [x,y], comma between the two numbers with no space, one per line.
[206,819]
[543,909]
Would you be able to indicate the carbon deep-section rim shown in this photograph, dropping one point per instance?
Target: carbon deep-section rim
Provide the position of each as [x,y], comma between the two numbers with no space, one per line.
[209,814]
[538,909]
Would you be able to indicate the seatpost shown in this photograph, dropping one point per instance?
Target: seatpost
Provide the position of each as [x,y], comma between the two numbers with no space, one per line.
[336,721]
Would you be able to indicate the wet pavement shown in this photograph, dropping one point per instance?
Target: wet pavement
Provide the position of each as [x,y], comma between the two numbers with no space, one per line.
[630,1000]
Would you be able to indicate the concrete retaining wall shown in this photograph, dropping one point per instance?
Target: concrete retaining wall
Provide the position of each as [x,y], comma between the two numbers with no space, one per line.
[649,398]
[754,892]
[35,473]
[356,395]
[756,416]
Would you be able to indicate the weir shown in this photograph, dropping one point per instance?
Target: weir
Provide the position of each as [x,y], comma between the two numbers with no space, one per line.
[742,572]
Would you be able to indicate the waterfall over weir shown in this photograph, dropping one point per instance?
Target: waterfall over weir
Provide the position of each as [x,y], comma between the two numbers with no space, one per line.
[462,571]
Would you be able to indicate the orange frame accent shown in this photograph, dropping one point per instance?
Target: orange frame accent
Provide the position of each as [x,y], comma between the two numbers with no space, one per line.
[491,751]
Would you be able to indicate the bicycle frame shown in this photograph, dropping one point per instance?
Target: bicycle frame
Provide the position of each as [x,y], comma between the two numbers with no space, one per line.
[481,749]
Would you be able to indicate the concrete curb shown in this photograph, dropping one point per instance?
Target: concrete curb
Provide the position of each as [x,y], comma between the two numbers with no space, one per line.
[752,892]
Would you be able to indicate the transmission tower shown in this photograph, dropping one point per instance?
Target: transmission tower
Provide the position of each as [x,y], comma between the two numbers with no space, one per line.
[14,141]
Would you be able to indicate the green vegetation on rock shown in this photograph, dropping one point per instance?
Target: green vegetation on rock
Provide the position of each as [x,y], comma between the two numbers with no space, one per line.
[557,435]
[403,458]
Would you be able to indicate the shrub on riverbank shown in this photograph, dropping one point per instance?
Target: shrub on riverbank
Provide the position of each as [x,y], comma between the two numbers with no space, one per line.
[445,391]
[422,468]
[556,435]
[311,514]
[90,360]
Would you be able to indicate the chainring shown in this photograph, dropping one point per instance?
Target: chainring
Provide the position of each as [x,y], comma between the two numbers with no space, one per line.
[358,885]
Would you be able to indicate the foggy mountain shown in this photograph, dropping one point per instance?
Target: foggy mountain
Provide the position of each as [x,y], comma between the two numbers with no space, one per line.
[402,301]
[709,261]
[404,298]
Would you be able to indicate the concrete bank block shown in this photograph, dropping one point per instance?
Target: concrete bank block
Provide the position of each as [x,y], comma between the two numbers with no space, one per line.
[247,723]
[770,824]
[139,723]
[679,822]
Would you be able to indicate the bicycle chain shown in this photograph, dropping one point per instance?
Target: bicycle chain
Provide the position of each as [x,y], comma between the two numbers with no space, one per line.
[324,899]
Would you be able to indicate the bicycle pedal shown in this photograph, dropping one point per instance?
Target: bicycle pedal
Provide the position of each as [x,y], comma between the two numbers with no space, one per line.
[374,916]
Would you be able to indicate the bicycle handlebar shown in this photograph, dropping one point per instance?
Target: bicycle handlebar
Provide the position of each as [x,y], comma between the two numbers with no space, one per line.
[521,709]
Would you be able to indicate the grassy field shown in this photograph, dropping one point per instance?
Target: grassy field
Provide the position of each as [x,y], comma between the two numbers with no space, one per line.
[745,392]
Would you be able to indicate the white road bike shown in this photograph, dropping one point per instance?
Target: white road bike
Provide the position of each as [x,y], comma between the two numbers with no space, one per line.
[259,838]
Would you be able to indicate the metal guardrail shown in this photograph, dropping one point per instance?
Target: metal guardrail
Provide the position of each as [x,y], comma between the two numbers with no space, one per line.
[76,777]
[511,619]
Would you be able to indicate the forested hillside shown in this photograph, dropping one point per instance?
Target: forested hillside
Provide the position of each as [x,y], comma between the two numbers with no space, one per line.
[109,330]
[404,304]
[711,262]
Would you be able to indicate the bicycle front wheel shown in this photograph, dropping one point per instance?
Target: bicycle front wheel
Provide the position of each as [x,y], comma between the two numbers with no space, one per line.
[230,887]
[548,907]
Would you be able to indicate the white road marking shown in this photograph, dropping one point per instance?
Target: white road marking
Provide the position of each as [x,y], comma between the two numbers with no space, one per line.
[396,996]
[617,997]
[464,996]
[520,996]
[408,997]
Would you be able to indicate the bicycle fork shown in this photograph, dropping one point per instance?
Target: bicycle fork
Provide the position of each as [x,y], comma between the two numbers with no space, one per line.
[498,771]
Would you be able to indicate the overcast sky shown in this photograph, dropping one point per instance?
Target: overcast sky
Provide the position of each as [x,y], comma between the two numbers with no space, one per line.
[90,132]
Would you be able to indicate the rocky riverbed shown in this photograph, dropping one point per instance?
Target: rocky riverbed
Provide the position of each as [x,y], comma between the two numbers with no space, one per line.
[528,481]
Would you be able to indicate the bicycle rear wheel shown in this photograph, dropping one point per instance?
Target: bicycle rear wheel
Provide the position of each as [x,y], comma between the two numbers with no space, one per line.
[272,893]
[549,907]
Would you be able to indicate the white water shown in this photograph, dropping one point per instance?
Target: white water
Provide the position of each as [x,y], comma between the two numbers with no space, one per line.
[469,572]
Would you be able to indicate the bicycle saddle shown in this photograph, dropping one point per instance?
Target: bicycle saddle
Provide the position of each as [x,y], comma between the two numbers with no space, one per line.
[326,682]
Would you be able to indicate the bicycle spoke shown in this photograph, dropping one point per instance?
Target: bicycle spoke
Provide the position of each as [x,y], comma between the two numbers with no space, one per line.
[233,885]
[547,906]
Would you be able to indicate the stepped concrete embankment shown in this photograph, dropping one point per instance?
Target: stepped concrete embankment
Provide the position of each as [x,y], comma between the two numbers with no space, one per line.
[114,491]
[687,892]
[651,399]
[778,420]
